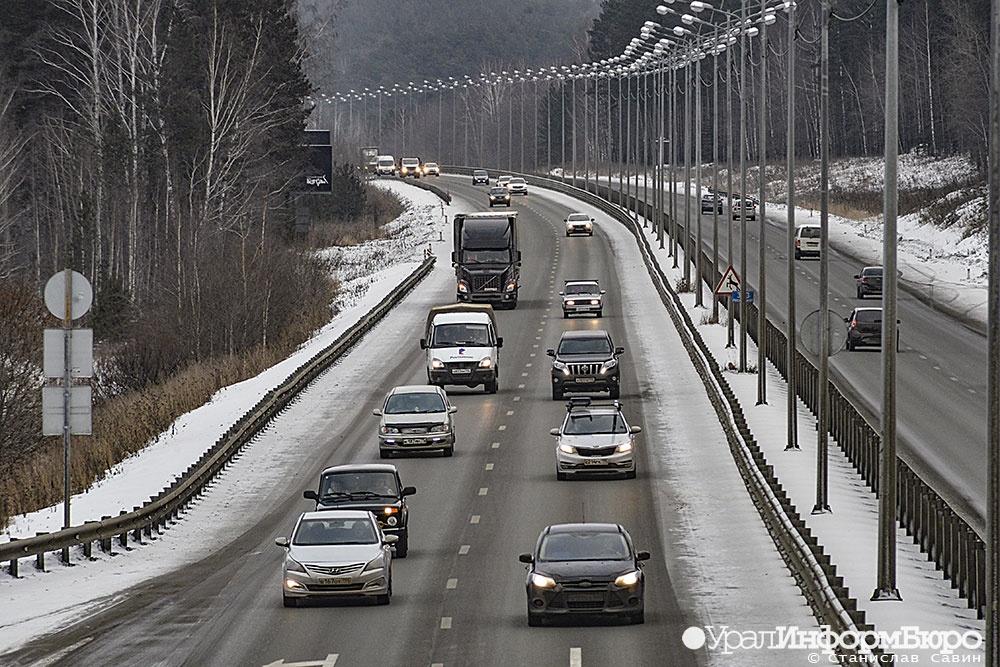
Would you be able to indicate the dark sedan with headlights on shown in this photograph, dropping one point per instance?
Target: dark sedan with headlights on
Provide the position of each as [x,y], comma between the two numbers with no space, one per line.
[585,569]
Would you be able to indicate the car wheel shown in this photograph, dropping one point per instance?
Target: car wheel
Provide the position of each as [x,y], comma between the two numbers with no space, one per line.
[491,386]
[600,313]
[561,476]
[614,392]
[860,294]
[850,345]
[382,599]
[630,474]
[289,601]
[448,451]
[567,234]
[535,621]
[565,316]
[590,234]
[638,618]
[798,255]
[384,453]
[557,394]
[402,546]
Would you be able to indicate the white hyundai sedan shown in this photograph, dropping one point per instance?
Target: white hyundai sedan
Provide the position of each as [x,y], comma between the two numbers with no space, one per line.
[336,553]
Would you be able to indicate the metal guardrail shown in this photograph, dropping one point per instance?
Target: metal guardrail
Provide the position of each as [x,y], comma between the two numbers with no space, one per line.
[168,504]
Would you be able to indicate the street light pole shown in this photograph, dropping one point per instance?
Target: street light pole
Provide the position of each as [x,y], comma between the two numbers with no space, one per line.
[743,190]
[887,492]
[993,341]
[761,243]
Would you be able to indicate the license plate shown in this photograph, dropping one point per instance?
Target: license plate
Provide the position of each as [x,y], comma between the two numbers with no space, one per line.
[334,581]
[593,462]
[584,380]
[462,371]
[413,441]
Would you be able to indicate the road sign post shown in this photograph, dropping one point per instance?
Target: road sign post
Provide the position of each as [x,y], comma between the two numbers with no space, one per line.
[68,296]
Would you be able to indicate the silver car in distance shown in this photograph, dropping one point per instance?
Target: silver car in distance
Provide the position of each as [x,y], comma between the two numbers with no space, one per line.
[336,553]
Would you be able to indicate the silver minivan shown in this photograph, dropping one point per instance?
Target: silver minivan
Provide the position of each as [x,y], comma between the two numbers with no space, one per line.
[415,418]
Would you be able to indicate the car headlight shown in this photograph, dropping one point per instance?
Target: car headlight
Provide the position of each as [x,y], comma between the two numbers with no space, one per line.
[624,447]
[608,365]
[486,362]
[440,428]
[595,302]
[463,286]
[378,563]
[570,302]
[437,364]
[587,225]
[628,579]
[293,565]
[390,430]
[567,449]
[541,581]
[560,366]
[511,286]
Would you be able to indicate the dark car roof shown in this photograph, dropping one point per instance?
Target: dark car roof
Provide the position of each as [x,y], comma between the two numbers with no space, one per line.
[585,528]
[591,333]
[361,467]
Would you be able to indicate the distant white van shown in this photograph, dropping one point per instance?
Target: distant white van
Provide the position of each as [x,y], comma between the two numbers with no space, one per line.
[807,241]
[385,165]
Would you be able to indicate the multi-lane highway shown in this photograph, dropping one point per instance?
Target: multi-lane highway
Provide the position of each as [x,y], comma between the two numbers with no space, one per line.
[459,595]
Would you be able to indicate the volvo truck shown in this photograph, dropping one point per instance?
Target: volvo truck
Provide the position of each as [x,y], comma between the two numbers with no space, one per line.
[486,258]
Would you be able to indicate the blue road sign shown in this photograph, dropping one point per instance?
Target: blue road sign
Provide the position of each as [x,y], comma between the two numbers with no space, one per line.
[736,296]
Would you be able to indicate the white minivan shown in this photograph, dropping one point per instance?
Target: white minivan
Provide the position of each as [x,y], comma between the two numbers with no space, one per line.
[807,241]
[462,345]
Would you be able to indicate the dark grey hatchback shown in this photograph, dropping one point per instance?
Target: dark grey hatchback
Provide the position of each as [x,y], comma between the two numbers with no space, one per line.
[585,569]
[869,281]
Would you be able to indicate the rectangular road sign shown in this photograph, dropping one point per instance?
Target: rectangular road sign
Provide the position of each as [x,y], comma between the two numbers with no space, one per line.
[81,353]
[736,296]
[730,283]
[79,410]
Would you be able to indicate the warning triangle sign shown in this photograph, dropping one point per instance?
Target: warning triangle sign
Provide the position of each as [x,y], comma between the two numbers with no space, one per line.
[730,282]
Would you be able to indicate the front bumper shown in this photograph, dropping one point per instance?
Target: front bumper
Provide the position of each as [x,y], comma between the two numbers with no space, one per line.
[584,382]
[576,464]
[571,600]
[455,376]
[579,229]
[358,584]
[487,297]
[582,308]
[409,442]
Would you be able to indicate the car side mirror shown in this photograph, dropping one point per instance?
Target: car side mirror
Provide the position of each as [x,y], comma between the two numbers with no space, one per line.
[554,432]
[858,277]
[309,494]
[423,343]
[637,429]
[562,293]
[619,350]
[550,352]
[847,319]
[377,412]
[604,291]
[499,341]
[390,539]
[452,409]
[526,558]
[642,555]
[281,542]
[407,491]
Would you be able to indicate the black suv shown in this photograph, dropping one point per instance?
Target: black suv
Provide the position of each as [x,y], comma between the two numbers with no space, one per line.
[367,486]
[585,361]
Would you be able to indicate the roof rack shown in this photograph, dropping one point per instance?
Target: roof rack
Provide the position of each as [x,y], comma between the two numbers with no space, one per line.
[578,402]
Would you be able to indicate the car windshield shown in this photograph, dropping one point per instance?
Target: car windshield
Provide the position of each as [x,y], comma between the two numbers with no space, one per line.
[453,335]
[582,288]
[872,273]
[578,217]
[386,162]
[585,346]
[498,256]
[480,173]
[316,532]
[517,181]
[403,404]
[498,191]
[588,424]
[583,546]
[359,485]
[809,232]
[432,165]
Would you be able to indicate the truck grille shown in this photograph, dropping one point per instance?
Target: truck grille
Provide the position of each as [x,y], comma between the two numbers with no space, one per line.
[585,369]
[493,283]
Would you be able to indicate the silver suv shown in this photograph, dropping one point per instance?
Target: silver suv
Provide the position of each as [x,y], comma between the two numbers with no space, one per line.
[415,418]
[594,438]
